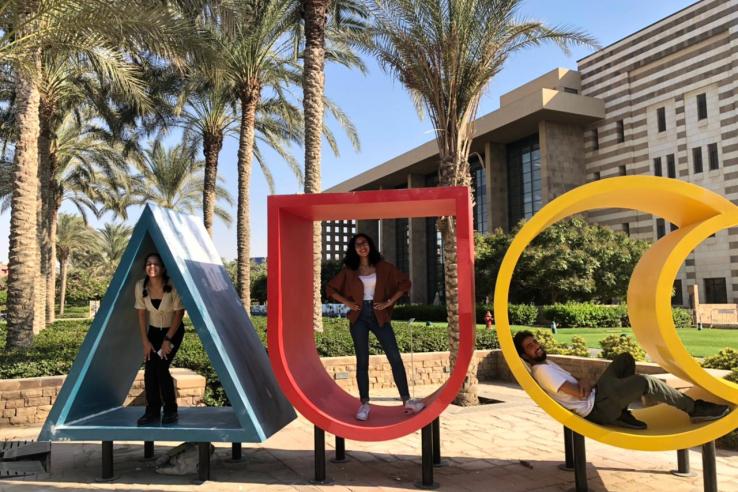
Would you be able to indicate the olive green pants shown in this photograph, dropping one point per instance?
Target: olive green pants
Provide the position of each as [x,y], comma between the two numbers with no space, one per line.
[619,386]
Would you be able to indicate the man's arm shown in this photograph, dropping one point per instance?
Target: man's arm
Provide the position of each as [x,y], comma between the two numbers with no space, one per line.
[580,390]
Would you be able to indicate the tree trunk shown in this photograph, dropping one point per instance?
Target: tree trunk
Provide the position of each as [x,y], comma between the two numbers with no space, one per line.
[249,101]
[313,81]
[64,263]
[212,144]
[23,250]
[452,175]
[48,192]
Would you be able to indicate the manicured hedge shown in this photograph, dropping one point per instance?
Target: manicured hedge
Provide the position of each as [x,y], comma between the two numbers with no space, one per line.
[588,315]
[520,314]
[55,348]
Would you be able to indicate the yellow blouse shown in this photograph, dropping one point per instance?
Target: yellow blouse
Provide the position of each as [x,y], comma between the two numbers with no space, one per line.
[162,317]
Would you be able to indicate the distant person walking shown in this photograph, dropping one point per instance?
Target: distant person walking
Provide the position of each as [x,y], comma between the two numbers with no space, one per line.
[369,287]
[160,313]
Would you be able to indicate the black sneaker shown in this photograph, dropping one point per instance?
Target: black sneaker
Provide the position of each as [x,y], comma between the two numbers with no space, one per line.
[628,421]
[705,411]
[148,419]
[169,418]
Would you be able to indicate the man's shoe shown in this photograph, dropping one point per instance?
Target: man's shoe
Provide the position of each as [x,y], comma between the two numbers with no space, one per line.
[363,412]
[147,419]
[705,411]
[169,418]
[414,406]
[628,421]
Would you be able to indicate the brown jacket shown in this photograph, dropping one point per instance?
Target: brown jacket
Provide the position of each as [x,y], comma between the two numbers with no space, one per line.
[390,280]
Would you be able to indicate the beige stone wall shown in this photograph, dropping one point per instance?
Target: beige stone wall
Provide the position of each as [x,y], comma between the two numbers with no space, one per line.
[29,400]
[562,158]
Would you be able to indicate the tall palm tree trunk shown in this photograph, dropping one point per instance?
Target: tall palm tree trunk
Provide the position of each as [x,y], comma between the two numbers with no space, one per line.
[47,187]
[64,268]
[23,251]
[455,173]
[313,82]
[249,101]
[212,144]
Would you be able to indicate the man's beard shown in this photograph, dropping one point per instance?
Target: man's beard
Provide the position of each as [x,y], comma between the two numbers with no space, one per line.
[542,358]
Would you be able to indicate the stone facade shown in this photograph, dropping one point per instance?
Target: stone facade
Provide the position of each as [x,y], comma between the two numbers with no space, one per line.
[29,400]
[669,92]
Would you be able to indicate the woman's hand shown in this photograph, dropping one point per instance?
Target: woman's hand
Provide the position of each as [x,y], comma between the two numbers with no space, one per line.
[166,348]
[148,348]
[382,305]
[352,305]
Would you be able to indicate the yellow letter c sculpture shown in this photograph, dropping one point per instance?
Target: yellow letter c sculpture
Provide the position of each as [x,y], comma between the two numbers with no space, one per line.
[698,213]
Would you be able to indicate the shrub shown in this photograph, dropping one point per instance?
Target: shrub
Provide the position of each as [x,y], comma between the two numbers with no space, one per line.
[523,314]
[618,344]
[682,317]
[585,315]
[725,359]
[546,339]
[520,314]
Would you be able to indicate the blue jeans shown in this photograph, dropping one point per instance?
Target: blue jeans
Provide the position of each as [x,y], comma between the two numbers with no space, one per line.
[360,334]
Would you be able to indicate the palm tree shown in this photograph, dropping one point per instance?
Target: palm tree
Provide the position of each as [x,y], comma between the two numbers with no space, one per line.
[112,242]
[173,178]
[70,26]
[316,25]
[73,235]
[446,52]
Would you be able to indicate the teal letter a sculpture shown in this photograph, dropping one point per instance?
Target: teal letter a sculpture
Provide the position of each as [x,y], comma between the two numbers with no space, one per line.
[90,403]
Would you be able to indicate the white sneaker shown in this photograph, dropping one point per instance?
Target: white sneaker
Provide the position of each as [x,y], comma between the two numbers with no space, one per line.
[363,412]
[414,406]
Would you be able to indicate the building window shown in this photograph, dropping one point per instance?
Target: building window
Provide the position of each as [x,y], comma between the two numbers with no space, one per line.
[571,90]
[657,167]
[697,159]
[595,139]
[712,156]
[660,228]
[434,258]
[621,131]
[715,291]
[626,228]
[622,171]
[701,106]
[523,179]
[676,297]
[402,244]
[479,188]
[661,119]
[670,166]
[596,176]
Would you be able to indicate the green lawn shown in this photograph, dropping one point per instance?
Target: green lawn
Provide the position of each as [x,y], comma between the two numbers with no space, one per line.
[698,343]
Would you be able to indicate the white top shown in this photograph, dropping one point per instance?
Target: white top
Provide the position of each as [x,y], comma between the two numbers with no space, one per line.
[551,377]
[370,282]
[162,317]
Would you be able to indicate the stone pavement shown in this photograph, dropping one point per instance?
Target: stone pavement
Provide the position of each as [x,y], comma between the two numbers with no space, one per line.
[509,446]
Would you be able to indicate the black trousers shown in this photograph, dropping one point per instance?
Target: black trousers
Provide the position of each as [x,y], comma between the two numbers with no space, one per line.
[157,380]
[360,333]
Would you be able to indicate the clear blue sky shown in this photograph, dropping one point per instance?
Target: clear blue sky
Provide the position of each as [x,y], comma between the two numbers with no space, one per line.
[386,120]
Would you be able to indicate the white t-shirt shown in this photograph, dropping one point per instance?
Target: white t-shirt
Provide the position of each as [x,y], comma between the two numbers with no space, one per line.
[370,282]
[551,377]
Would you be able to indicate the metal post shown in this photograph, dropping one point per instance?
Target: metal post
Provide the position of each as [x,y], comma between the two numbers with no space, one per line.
[340,451]
[235,451]
[107,461]
[203,469]
[437,462]
[683,469]
[427,482]
[709,470]
[148,450]
[580,462]
[319,444]
[568,451]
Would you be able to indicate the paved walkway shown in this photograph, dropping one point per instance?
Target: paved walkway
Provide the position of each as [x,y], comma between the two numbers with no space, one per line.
[509,446]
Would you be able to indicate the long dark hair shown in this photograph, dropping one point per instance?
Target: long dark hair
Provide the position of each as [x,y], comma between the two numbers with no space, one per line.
[164,276]
[352,260]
